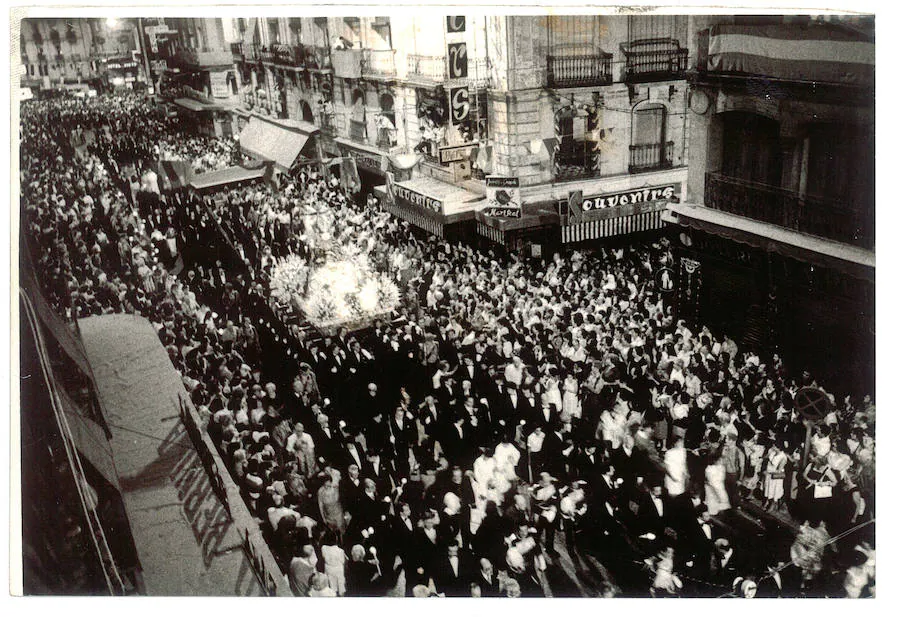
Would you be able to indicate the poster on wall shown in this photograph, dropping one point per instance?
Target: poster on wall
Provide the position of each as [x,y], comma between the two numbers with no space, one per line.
[218,84]
[503,197]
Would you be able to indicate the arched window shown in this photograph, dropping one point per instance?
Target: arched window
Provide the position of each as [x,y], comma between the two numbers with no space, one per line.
[649,149]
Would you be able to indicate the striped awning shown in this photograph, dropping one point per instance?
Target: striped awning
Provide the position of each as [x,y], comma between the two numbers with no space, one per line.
[618,226]
[415,217]
[274,141]
[822,53]
[490,232]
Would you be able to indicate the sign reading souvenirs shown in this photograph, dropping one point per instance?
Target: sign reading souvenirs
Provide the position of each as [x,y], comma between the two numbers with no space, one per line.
[456,23]
[503,197]
[417,199]
[625,203]
[457,61]
[459,104]
[452,154]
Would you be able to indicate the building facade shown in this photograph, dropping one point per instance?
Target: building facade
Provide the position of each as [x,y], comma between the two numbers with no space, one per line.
[581,103]
[79,53]
[775,239]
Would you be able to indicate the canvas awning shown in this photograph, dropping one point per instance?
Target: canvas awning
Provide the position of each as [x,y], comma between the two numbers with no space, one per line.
[90,440]
[227,176]
[852,260]
[279,142]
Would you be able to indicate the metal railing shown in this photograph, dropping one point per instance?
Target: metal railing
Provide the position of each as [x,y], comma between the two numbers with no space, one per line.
[386,138]
[326,123]
[654,59]
[576,70]
[647,157]
[317,58]
[840,221]
[379,63]
[237,51]
[288,55]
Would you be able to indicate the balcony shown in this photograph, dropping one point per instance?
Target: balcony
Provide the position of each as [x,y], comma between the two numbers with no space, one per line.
[379,63]
[579,70]
[432,70]
[317,58]
[426,69]
[358,131]
[649,157]
[252,53]
[654,60]
[347,63]
[840,221]
[237,52]
[287,55]
[387,138]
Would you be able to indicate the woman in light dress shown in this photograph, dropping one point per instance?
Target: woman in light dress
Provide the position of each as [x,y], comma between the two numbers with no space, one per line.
[716,496]
[773,477]
[571,406]
[335,563]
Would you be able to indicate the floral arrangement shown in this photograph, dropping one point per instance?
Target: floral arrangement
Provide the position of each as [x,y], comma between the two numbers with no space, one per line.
[288,281]
[343,290]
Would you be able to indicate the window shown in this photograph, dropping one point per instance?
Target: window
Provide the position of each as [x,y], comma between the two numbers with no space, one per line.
[577,155]
[649,149]
[750,148]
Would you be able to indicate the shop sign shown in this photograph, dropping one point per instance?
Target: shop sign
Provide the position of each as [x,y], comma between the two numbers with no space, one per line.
[218,84]
[452,154]
[456,23]
[623,203]
[503,197]
[417,199]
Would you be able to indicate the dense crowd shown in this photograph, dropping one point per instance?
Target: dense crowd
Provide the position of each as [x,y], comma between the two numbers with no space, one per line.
[504,401]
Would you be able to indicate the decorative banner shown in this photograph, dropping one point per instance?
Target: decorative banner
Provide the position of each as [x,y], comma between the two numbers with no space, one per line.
[689,284]
[350,174]
[452,154]
[459,104]
[665,280]
[456,23]
[457,61]
[389,187]
[503,197]
[575,200]
[625,203]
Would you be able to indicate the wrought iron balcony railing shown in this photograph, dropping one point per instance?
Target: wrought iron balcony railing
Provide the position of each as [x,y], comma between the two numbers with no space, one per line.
[654,59]
[647,157]
[840,221]
[577,70]
[358,132]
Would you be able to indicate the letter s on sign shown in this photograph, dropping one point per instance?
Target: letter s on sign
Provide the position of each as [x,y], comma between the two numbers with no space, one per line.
[459,103]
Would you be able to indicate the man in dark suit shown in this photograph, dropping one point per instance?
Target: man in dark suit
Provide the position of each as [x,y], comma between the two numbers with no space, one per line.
[486,579]
[697,543]
[403,535]
[351,488]
[451,573]
[653,512]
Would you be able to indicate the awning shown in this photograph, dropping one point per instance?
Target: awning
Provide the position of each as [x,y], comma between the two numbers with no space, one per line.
[279,142]
[852,260]
[90,440]
[536,215]
[820,53]
[224,177]
[192,105]
[614,226]
[449,202]
[56,327]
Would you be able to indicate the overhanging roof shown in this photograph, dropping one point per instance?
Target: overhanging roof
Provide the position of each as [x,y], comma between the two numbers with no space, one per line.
[192,105]
[229,175]
[280,142]
[851,259]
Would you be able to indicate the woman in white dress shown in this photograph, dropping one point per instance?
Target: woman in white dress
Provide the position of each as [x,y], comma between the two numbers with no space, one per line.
[571,406]
[716,496]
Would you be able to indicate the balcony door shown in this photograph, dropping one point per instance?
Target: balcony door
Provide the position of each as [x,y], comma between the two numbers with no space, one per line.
[648,137]
[751,149]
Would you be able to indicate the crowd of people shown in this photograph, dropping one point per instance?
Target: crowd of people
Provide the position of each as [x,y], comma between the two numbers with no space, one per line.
[204,153]
[507,410]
